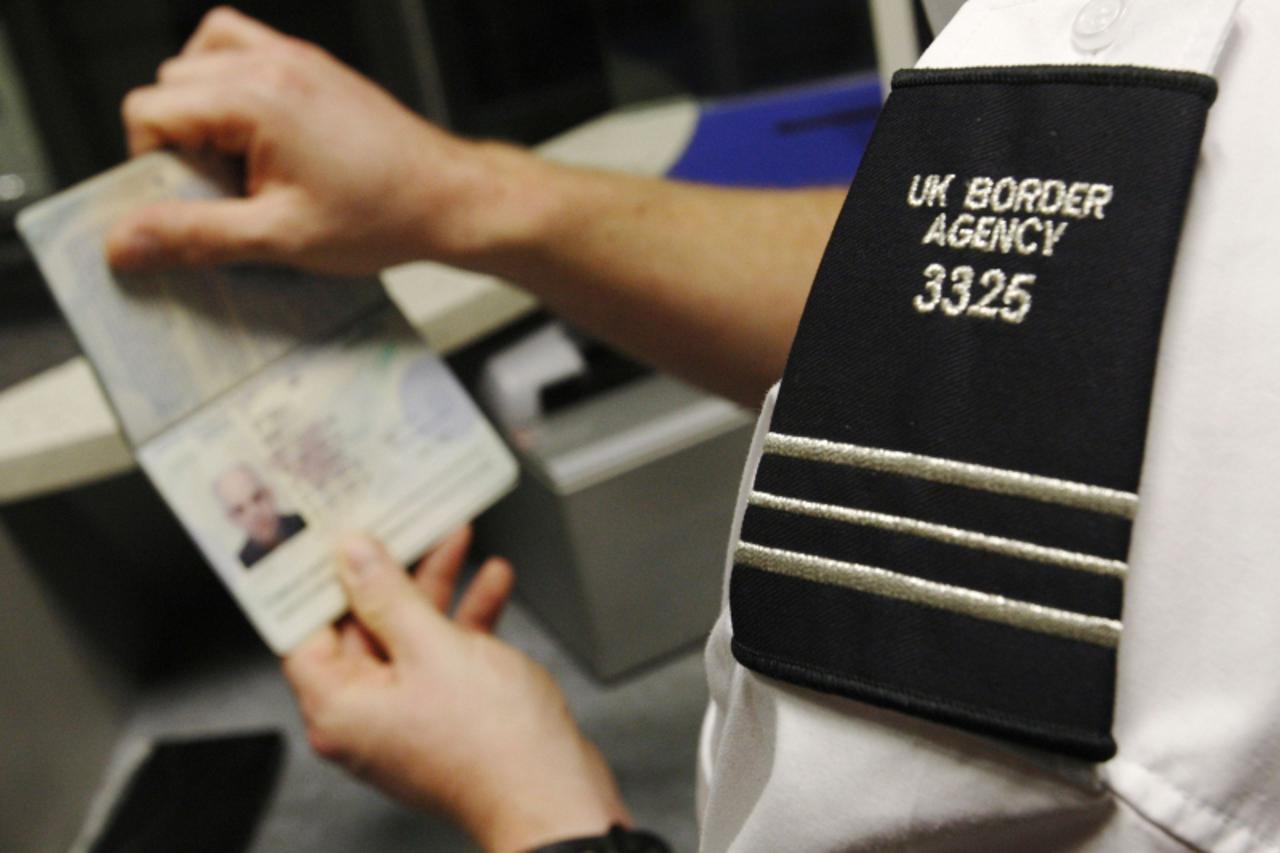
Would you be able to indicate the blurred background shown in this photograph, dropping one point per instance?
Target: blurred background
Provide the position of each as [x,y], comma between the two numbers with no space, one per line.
[114,634]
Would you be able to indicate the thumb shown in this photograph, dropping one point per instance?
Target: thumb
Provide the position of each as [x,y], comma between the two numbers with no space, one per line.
[385,601]
[196,234]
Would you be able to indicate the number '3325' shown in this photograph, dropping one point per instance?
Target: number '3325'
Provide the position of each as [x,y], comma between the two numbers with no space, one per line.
[996,296]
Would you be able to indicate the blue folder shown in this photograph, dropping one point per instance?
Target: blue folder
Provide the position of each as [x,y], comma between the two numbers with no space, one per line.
[800,136]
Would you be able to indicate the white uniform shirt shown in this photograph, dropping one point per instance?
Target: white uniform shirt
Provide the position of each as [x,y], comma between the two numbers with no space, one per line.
[1198,689]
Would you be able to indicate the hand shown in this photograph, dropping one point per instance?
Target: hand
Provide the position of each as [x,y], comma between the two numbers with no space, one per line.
[442,715]
[340,177]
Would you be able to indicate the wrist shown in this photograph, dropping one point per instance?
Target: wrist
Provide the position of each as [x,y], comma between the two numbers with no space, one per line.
[519,833]
[520,823]
[499,208]
[552,798]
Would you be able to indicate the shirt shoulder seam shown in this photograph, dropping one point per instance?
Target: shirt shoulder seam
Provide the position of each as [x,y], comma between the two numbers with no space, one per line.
[1138,797]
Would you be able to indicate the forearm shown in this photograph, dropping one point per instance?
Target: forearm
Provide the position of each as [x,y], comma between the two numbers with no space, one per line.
[705,282]
[340,178]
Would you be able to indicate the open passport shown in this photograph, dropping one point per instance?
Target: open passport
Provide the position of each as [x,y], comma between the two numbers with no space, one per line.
[272,409]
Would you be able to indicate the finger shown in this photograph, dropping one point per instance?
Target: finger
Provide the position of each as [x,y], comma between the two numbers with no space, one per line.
[384,600]
[356,642]
[437,574]
[311,667]
[485,598]
[224,28]
[331,696]
[190,115]
[197,234]
[201,67]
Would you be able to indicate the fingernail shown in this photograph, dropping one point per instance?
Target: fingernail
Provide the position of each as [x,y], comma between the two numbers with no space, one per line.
[362,555]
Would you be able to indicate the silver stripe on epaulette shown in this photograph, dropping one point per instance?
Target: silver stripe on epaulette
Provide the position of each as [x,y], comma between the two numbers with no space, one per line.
[950,472]
[943,533]
[925,593]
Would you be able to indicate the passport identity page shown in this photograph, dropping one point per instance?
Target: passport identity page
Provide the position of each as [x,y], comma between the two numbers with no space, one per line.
[273,410]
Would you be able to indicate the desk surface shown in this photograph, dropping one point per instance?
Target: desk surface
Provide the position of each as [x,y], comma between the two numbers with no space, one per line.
[57,430]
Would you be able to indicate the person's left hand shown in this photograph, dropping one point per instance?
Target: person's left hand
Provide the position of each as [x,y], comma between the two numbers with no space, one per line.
[441,714]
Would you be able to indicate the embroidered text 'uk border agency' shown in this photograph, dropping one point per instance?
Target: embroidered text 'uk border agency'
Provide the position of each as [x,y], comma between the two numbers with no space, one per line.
[940,520]
[1036,199]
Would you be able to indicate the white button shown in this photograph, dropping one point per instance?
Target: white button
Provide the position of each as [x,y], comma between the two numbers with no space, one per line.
[12,187]
[1095,26]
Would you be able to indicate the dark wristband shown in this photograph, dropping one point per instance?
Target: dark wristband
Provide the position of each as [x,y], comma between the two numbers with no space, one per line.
[618,839]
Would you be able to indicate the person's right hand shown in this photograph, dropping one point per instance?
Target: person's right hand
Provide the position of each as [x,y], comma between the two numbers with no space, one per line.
[442,715]
[340,177]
